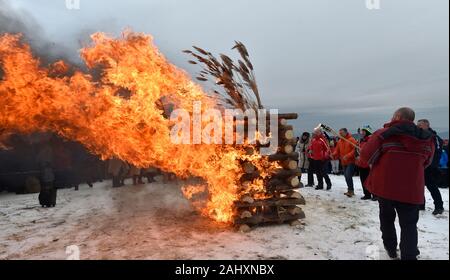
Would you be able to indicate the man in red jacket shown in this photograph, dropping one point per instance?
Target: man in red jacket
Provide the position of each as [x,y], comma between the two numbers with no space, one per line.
[398,154]
[319,152]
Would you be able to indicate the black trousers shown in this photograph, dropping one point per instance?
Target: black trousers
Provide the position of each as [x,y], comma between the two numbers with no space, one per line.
[408,216]
[432,175]
[310,173]
[319,168]
[363,174]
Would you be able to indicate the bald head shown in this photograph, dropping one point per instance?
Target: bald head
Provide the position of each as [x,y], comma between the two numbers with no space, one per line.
[404,114]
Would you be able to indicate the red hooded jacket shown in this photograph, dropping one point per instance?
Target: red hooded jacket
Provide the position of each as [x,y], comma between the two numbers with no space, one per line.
[398,155]
[319,149]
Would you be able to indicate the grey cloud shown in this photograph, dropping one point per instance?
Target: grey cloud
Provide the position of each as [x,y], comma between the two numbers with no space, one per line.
[331,61]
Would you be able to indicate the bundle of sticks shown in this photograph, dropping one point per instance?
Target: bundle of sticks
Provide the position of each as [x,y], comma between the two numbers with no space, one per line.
[282,200]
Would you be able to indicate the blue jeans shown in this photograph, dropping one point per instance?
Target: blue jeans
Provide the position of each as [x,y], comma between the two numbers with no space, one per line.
[349,171]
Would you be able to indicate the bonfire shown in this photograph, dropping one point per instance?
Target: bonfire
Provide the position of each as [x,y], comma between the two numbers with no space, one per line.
[123,114]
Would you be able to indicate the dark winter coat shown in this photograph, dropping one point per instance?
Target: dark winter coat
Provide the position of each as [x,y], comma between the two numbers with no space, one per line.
[438,146]
[47,175]
[398,155]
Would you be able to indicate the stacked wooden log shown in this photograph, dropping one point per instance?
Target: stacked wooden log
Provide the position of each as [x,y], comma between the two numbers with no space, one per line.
[281,199]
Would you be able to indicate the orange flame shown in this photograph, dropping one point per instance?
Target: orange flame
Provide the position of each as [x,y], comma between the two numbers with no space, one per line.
[96,114]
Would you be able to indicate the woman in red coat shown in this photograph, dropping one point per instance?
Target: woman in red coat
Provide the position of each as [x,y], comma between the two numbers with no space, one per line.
[319,152]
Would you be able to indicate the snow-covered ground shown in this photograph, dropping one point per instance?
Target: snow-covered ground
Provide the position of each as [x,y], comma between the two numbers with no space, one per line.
[155,222]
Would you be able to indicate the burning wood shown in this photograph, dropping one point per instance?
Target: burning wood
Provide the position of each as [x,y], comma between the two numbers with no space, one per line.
[248,167]
[278,201]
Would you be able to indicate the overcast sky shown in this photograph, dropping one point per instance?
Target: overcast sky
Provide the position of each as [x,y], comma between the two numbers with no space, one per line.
[331,61]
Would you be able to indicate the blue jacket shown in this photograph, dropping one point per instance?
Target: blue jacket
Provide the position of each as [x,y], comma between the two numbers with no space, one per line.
[443,163]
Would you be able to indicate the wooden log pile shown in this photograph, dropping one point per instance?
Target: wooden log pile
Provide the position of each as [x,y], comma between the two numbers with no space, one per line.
[282,200]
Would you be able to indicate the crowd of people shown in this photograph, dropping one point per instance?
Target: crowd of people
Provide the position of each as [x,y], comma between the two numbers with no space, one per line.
[394,164]
[322,154]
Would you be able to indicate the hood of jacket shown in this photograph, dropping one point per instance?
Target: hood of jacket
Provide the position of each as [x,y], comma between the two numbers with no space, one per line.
[405,128]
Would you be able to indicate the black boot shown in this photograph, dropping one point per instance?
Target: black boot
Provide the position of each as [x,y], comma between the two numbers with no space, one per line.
[438,211]
[392,253]
[319,188]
